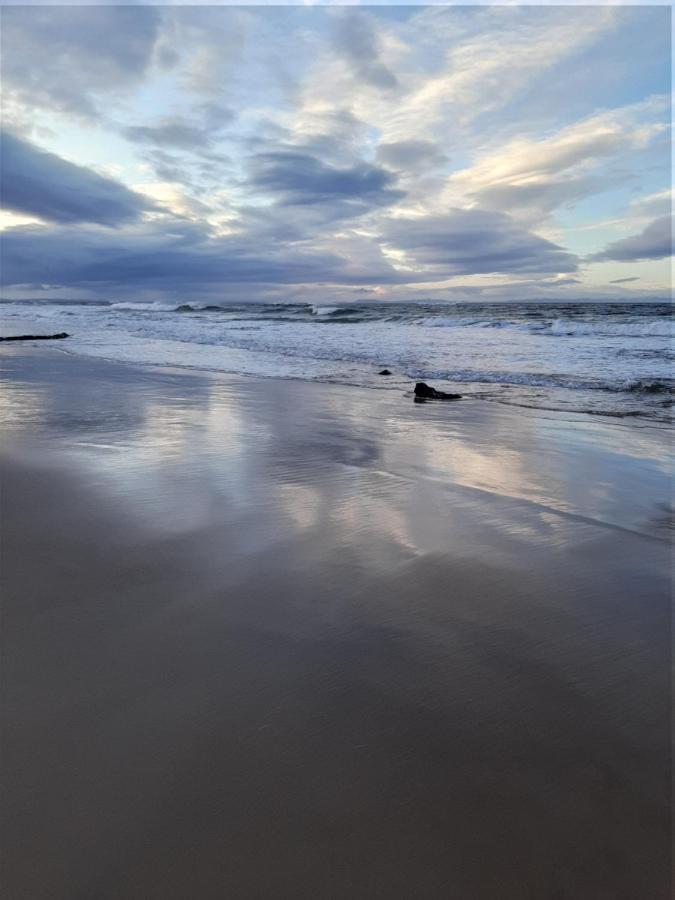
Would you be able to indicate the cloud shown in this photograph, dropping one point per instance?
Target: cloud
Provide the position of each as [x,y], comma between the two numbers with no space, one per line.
[624,280]
[473,242]
[297,179]
[410,155]
[173,133]
[170,257]
[654,242]
[41,184]
[652,205]
[185,150]
[357,41]
[491,56]
[178,133]
[334,134]
[168,167]
[370,147]
[531,178]
[202,44]
[61,58]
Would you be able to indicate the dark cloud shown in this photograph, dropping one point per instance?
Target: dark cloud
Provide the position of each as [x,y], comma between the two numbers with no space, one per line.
[357,41]
[196,170]
[334,135]
[413,154]
[172,256]
[61,57]
[298,179]
[197,173]
[41,184]
[155,256]
[624,280]
[654,242]
[183,150]
[474,241]
[215,116]
[168,166]
[170,133]
[183,134]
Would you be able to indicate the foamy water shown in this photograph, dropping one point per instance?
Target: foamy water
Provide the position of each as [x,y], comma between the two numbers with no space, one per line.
[600,358]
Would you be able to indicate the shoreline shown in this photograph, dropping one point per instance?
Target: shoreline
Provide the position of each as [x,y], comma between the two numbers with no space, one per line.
[280,638]
[578,358]
[404,387]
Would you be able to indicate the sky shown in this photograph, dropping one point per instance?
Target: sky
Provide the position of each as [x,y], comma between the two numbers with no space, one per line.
[335,153]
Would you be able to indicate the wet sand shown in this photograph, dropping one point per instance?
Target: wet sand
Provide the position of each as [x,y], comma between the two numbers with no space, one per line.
[268,639]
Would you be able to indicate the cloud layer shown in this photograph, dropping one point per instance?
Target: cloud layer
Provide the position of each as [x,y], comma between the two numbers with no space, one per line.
[68,58]
[42,184]
[184,257]
[409,151]
[471,241]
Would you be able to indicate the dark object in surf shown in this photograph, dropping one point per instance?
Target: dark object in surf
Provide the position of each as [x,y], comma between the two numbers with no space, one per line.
[384,372]
[424,392]
[36,337]
[651,387]
[185,307]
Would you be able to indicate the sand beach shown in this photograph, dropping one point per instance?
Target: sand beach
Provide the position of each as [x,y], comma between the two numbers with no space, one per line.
[272,638]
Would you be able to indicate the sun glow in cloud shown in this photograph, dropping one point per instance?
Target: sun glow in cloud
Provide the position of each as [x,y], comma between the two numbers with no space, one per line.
[409,152]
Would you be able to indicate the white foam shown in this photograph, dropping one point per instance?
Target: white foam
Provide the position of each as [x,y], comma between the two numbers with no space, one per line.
[560,327]
[318,310]
[455,322]
[656,328]
[139,305]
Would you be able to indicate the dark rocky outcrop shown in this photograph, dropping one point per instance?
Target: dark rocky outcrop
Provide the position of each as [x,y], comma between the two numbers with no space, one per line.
[185,307]
[384,372]
[35,337]
[424,392]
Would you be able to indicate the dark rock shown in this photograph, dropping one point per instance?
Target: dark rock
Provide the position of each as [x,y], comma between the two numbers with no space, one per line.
[384,372]
[424,392]
[185,307]
[652,387]
[35,337]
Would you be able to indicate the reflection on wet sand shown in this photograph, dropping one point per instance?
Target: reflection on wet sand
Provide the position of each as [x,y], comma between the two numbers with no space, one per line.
[268,639]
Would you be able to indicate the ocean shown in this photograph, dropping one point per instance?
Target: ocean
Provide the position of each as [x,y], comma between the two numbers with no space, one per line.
[610,359]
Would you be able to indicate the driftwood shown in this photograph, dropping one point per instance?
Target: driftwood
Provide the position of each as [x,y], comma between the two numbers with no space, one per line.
[35,337]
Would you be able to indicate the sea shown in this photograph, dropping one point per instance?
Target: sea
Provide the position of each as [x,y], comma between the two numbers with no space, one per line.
[609,359]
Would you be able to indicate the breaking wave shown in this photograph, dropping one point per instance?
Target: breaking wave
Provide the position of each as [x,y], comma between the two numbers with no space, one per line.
[659,328]
[561,327]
